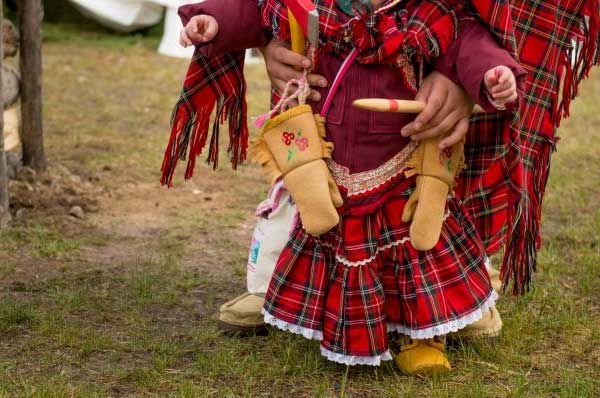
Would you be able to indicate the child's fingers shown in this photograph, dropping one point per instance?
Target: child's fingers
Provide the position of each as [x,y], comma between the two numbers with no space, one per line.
[198,23]
[505,74]
[499,87]
[195,37]
[210,31]
[490,78]
[512,98]
[507,100]
[202,28]
[193,32]
[504,95]
[184,40]
[502,76]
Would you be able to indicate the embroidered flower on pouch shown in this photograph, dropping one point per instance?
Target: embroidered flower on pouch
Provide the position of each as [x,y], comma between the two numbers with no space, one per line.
[287,138]
[302,143]
[448,152]
[445,156]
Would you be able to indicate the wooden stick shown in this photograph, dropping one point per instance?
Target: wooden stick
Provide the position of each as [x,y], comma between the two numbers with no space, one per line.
[298,38]
[394,105]
[32,134]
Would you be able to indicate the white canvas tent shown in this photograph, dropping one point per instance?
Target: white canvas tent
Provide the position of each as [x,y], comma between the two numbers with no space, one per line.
[121,15]
[131,15]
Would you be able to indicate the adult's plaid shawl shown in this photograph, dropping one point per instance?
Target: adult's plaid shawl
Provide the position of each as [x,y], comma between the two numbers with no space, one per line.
[508,158]
[557,42]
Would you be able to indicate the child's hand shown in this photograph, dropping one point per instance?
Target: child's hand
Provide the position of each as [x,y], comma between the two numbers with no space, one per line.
[200,29]
[501,85]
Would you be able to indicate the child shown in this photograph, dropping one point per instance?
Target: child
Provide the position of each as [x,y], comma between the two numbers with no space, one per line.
[352,285]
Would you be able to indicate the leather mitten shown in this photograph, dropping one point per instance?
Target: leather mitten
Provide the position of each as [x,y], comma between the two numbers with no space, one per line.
[292,146]
[436,171]
[308,185]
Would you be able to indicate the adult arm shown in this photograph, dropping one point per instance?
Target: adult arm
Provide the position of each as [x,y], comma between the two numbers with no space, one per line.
[239,25]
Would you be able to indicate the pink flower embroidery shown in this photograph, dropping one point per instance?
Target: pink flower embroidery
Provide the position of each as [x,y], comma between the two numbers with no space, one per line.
[287,138]
[302,143]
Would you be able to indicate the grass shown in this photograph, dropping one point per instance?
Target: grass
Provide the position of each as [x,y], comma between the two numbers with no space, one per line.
[123,304]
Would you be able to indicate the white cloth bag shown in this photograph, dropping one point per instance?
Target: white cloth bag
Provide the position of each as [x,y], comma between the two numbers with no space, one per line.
[276,218]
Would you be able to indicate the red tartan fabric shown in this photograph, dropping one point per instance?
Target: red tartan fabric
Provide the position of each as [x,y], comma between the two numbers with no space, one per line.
[508,161]
[416,29]
[209,84]
[355,283]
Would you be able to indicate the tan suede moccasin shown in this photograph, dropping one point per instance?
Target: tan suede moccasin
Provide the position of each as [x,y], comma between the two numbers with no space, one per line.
[242,315]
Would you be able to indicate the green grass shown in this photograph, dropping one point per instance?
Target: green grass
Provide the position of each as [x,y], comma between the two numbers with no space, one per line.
[123,304]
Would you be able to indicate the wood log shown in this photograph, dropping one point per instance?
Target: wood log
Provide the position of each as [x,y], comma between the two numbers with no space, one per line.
[11,85]
[10,39]
[32,133]
[4,198]
[11,129]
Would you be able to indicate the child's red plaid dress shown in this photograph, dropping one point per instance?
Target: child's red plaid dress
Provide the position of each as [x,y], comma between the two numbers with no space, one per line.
[352,286]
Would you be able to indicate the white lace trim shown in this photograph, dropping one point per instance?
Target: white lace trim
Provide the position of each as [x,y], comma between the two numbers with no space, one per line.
[428,333]
[445,328]
[307,333]
[355,360]
[365,181]
[366,261]
[312,334]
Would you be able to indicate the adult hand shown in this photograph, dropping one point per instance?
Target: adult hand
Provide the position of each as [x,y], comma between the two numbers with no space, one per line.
[447,111]
[281,63]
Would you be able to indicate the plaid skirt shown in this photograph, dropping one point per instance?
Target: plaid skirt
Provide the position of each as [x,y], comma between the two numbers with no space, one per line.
[351,286]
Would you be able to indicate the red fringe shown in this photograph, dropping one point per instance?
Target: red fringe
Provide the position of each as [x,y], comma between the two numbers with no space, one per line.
[520,256]
[524,239]
[585,53]
[190,131]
